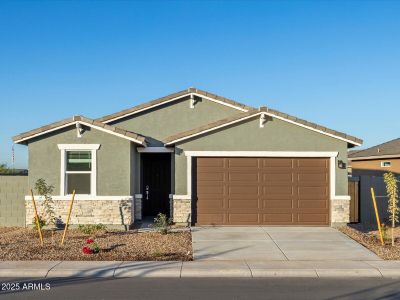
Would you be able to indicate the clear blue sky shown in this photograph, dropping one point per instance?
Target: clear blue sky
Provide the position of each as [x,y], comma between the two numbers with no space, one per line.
[334,63]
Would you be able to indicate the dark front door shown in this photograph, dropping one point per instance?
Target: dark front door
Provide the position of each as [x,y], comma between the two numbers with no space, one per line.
[156,183]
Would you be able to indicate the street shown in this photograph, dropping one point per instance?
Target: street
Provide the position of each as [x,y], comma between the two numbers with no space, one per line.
[206,288]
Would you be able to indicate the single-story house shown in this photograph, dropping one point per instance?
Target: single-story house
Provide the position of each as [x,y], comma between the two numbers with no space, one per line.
[376,160]
[197,157]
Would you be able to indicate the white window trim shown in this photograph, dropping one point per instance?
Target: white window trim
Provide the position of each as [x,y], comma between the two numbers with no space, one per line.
[386,161]
[331,155]
[93,173]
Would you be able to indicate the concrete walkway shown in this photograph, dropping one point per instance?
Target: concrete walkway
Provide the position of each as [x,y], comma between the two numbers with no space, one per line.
[276,244]
[176,269]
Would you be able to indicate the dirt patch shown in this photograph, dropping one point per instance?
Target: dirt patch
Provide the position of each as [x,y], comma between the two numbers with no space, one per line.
[371,240]
[23,244]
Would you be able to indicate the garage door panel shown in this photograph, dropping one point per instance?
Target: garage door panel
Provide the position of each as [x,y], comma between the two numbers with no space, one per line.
[244,191]
[242,204]
[243,176]
[242,162]
[314,218]
[278,203]
[315,192]
[211,218]
[277,162]
[312,162]
[280,178]
[210,162]
[210,176]
[269,191]
[272,191]
[211,204]
[243,218]
[312,204]
[320,177]
[278,218]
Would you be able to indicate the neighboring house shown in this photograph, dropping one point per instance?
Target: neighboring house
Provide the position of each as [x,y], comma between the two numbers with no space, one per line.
[376,160]
[197,157]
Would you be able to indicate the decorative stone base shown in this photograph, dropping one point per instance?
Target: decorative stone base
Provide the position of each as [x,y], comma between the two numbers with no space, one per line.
[107,212]
[181,211]
[138,207]
[340,212]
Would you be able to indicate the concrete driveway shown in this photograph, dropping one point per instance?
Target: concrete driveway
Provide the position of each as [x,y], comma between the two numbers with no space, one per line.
[276,243]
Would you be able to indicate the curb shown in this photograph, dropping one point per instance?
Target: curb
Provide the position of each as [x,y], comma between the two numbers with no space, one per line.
[199,269]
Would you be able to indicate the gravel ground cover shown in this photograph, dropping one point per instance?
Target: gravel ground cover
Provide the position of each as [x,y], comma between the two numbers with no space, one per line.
[370,239]
[23,244]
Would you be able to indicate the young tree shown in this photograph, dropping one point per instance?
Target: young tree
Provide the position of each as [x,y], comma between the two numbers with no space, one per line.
[46,190]
[392,193]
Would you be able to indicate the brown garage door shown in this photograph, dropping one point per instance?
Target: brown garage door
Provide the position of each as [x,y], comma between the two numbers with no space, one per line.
[268,191]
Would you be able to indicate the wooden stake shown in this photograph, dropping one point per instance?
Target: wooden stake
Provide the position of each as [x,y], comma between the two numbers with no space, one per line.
[69,216]
[37,219]
[377,215]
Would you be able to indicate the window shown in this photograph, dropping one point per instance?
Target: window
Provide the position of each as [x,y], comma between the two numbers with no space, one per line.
[386,164]
[78,169]
[78,172]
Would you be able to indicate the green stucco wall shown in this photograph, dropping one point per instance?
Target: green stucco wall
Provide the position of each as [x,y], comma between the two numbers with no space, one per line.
[277,135]
[169,119]
[113,160]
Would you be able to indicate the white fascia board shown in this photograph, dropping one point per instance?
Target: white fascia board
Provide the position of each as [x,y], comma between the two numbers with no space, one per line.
[82,197]
[262,153]
[44,132]
[86,124]
[78,146]
[171,100]
[374,157]
[111,132]
[257,114]
[155,150]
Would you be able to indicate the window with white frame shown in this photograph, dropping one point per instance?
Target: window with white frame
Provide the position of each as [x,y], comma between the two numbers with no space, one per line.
[78,169]
[386,164]
[78,172]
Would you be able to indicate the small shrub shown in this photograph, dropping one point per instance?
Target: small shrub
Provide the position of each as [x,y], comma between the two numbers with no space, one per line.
[45,190]
[162,223]
[385,234]
[91,228]
[42,222]
[91,247]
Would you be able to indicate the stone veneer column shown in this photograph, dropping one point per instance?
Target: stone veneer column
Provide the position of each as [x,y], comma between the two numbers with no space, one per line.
[181,209]
[340,212]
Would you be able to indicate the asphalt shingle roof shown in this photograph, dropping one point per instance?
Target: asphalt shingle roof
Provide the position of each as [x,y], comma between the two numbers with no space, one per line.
[388,148]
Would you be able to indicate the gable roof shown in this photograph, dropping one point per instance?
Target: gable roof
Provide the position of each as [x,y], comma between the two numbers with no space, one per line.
[129,135]
[173,97]
[387,149]
[261,111]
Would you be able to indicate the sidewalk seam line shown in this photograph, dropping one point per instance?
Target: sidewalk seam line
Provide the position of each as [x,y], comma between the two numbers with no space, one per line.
[277,245]
[180,273]
[376,268]
[251,272]
[48,271]
[115,269]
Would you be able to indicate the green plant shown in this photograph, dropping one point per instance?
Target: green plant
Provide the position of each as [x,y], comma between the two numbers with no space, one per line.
[392,193]
[45,190]
[162,223]
[91,228]
[385,235]
[42,222]
[4,169]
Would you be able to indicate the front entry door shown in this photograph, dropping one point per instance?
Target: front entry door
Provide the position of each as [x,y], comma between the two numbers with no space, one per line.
[156,183]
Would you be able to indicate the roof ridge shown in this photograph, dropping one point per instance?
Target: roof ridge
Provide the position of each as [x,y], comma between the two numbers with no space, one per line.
[159,101]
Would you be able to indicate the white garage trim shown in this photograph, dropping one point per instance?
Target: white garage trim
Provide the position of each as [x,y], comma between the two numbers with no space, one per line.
[331,155]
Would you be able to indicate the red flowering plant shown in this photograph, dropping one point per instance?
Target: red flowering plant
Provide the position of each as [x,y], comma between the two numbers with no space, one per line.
[91,247]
